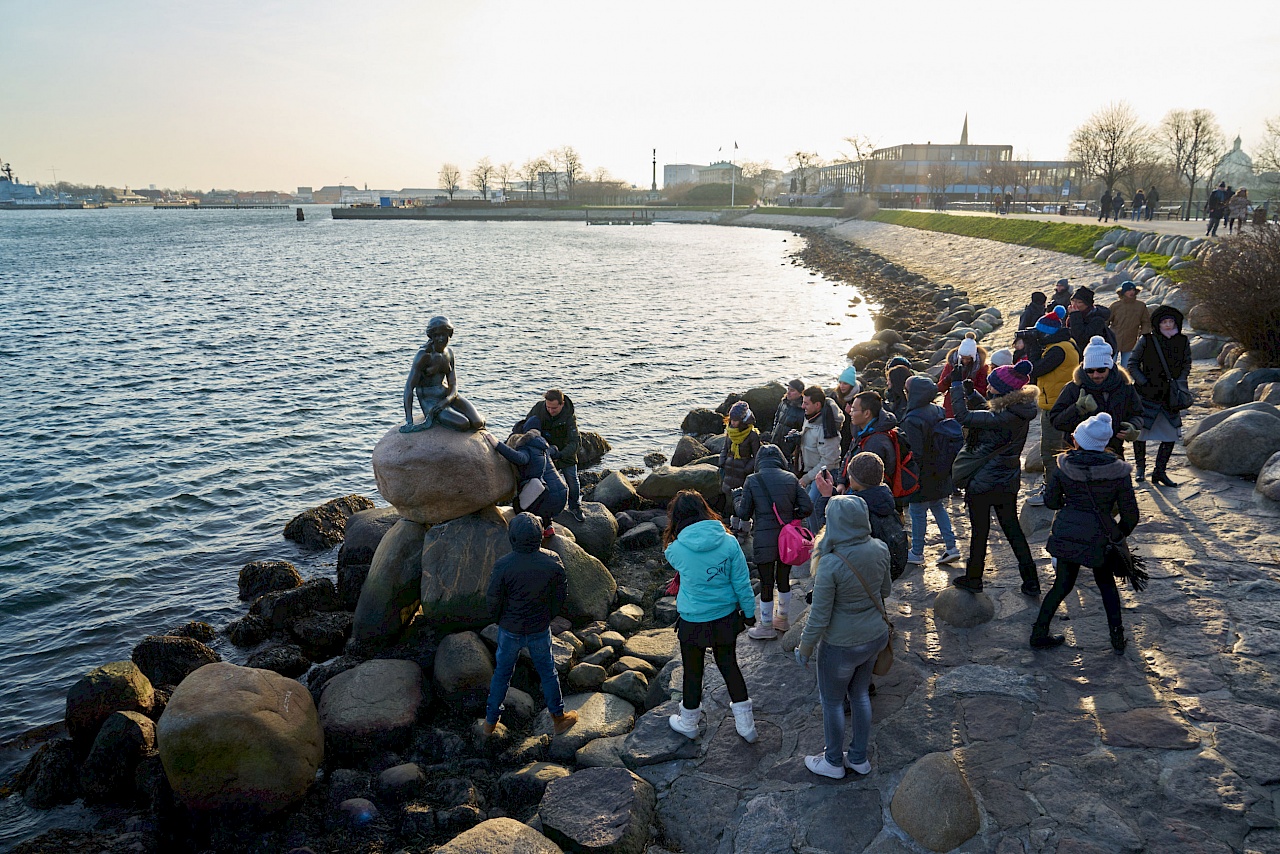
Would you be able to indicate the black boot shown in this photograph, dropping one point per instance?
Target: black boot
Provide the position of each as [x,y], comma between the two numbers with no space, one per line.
[1041,639]
[1139,461]
[967,582]
[1162,460]
[1117,639]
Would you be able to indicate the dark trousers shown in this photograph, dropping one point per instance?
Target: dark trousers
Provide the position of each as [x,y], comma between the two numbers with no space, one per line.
[1068,572]
[1005,505]
[771,573]
[693,658]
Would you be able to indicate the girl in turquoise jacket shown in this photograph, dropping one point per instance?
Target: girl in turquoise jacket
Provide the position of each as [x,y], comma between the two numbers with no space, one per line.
[715,603]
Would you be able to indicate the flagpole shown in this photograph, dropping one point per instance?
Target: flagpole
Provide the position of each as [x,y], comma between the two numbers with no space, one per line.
[733,179]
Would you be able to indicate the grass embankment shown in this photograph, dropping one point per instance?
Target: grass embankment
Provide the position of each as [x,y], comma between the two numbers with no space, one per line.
[780,211]
[1063,237]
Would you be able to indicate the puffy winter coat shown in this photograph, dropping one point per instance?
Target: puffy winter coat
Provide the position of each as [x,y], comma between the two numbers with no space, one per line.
[1083,479]
[735,470]
[1114,395]
[527,587]
[1148,374]
[955,372]
[874,438]
[820,442]
[532,460]
[923,416]
[790,416]
[1002,425]
[561,432]
[1055,366]
[1083,325]
[771,483]
[714,579]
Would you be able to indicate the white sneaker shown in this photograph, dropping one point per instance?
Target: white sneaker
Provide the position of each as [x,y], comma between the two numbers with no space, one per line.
[948,555]
[762,631]
[819,765]
[862,768]
[915,559]
[744,721]
[686,723]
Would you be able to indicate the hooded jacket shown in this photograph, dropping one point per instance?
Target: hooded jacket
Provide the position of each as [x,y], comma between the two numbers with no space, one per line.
[1062,298]
[1148,374]
[1032,314]
[789,416]
[734,470]
[1083,325]
[771,484]
[1057,363]
[527,587]
[922,418]
[1000,428]
[530,454]
[1115,395]
[1128,321]
[955,372]
[561,432]
[714,579]
[1083,479]
[895,393]
[842,614]
[820,442]
[875,439]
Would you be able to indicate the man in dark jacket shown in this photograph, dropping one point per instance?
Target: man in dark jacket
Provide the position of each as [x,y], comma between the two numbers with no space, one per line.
[1100,386]
[559,426]
[923,417]
[789,417]
[1087,320]
[526,590]
[871,426]
[1217,208]
[1034,310]
[1153,199]
[1061,295]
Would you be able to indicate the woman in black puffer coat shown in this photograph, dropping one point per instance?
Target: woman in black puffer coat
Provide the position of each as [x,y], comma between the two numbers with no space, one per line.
[771,484]
[1160,421]
[1090,484]
[997,427]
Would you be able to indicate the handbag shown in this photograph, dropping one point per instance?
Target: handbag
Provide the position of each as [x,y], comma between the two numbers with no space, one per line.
[531,492]
[795,541]
[1117,558]
[1180,396]
[884,658]
[968,462]
[673,586]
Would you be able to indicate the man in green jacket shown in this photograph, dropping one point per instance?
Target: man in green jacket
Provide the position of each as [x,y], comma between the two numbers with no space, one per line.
[559,426]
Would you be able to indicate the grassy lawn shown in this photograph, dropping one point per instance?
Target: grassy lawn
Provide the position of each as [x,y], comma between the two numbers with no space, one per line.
[777,211]
[1059,237]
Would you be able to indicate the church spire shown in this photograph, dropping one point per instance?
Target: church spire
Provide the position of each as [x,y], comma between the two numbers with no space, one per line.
[964,132]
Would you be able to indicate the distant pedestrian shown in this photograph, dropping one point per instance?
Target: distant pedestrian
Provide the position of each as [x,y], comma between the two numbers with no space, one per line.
[1160,367]
[1099,385]
[1238,210]
[1217,204]
[920,423]
[715,604]
[1138,205]
[997,433]
[968,361]
[1153,199]
[788,418]
[738,456]
[1129,319]
[1089,487]
[1051,372]
[1104,206]
[1117,205]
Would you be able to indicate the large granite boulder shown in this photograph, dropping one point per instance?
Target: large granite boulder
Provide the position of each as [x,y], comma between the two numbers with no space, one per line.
[1240,444]
[605,810]
[763,401]
[963,609]
[599,716]
[504,835]
[166,659]
[664,482]
[440,474]
[389,596]
[1216,418]
[687,450]
[656,646]
[590,587]
[324,526]
[935,804]
[282,607]
[457,559]
[239,738]
[596,533]
[616,493]
[123,741]
[50,777]
[1268,485]
[654,741]
[1236,386]
[463,670]
[365,531]
[372,707]
[267,576]
[701,421]
[116,687]
[591,448]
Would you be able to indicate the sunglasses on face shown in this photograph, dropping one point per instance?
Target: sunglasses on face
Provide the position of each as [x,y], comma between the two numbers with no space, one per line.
[1096,370]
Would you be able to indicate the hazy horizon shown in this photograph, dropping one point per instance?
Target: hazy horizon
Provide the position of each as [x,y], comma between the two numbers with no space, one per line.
[279,94]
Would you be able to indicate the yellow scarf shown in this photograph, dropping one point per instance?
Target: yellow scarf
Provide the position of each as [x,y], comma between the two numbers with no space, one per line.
[737,435]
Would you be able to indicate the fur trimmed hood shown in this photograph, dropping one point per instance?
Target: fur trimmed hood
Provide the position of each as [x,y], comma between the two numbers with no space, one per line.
[1118,377]
[953,356]
[1084,466]
[1028,395]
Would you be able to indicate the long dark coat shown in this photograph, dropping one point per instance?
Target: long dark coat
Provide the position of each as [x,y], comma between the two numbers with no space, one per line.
[1002,425]
[771,483]
[1078,533]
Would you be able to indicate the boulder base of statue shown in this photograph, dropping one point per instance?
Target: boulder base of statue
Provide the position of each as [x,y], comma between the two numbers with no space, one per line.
[435,475]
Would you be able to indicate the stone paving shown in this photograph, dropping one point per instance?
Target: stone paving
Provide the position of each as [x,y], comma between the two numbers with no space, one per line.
[1172,747]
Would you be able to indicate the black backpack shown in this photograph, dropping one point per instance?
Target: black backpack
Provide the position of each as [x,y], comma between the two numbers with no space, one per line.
[888,529]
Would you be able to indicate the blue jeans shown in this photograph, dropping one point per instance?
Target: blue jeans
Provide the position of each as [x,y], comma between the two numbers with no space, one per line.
[509,646]
[816,520]
[1123,359]
[570,474]
[846,671]
[920,522]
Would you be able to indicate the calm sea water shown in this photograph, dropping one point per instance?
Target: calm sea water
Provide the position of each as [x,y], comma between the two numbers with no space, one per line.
[178,384]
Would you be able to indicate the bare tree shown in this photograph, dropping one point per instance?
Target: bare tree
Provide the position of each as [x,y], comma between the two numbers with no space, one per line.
[529,173]
[1111,143]
[569,164]
[1267,153]
[548,177]
[760,176]
[859,154]
[1001,174]
[941,175]
[1194,143]
[450,176]
[802,163]
[481,176]
[503,173]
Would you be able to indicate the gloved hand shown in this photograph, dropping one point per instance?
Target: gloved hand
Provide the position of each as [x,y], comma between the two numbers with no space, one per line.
[802,659]
[749,622]
[968,386]
[1085,404]
[1128,432]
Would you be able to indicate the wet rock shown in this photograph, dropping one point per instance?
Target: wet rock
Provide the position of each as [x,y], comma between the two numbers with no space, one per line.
[194,629]
[596,533]
[463,670]
[963,609]
[401,783]
[591,448]
[654,741]
[50,777]
[616,493]
[598,810]
[1239,445]
[281,608]
[586,677]
[123,741]
[249,630]
[656,646]
[590,587]
[372,707]
[167,660]
[645,535]
[935,805]
[322,635]
[689,449]
[116,687]
[239,738]
[436,475]
[700,421]
[267,576]
[526,785]
[500,834]
[284,658]
[324,526]
[663,482]
[457,560]
[599,716]
[391,590]
[630,685]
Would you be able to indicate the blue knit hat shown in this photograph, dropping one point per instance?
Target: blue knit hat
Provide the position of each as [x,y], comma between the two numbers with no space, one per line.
[849,375]
[897,360]
[1061,311]
[1049,324]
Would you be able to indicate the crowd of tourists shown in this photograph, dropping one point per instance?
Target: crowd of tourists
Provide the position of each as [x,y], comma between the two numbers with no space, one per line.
[843,471]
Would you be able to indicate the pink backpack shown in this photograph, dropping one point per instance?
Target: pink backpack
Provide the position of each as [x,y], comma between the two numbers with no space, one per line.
[795,541]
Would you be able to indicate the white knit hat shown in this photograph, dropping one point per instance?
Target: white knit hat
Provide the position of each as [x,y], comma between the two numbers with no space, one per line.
[1094,433]
[1002,357]
[1097,354]
[969,346]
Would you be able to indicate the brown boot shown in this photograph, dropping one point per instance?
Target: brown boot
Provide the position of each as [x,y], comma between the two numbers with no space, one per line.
[564,722]
[489,728]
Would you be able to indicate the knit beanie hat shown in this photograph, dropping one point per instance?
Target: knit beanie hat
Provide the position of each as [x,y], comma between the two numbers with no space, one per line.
[849,375]
[741,412]
[1084,295]
[895,361]
[868,469]
[969,346]
[796,384]
[1129,286]
[1097,354]
[1062,283]
[534,423]
[1049,324]
[1038,298]
[1002,357]
[1009,377]
[1094,433]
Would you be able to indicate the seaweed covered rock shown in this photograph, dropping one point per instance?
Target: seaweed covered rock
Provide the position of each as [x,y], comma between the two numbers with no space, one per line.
[324,526]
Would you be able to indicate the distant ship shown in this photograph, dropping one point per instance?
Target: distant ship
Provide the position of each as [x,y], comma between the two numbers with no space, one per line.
[18,196]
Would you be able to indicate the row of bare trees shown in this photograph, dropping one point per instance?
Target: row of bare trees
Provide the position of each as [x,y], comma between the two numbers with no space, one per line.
[559,172]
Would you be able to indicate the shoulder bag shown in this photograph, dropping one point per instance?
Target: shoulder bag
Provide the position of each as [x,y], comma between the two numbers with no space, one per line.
[1180,396]
[968,462]
[884,659]
[1116,556]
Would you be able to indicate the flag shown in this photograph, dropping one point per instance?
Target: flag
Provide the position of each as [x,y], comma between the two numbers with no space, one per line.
[735,146]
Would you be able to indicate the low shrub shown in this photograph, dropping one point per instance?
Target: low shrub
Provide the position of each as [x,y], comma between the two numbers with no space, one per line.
[1236,282]
[720,194]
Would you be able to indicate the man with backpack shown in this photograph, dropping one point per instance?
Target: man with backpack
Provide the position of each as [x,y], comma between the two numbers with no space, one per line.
[875,429]
[935,440]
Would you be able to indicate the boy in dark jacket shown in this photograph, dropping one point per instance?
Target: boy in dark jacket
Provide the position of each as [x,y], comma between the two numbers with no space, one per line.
[526,590]
[559,426]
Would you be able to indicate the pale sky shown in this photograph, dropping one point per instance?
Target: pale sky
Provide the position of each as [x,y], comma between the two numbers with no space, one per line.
[273,95]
